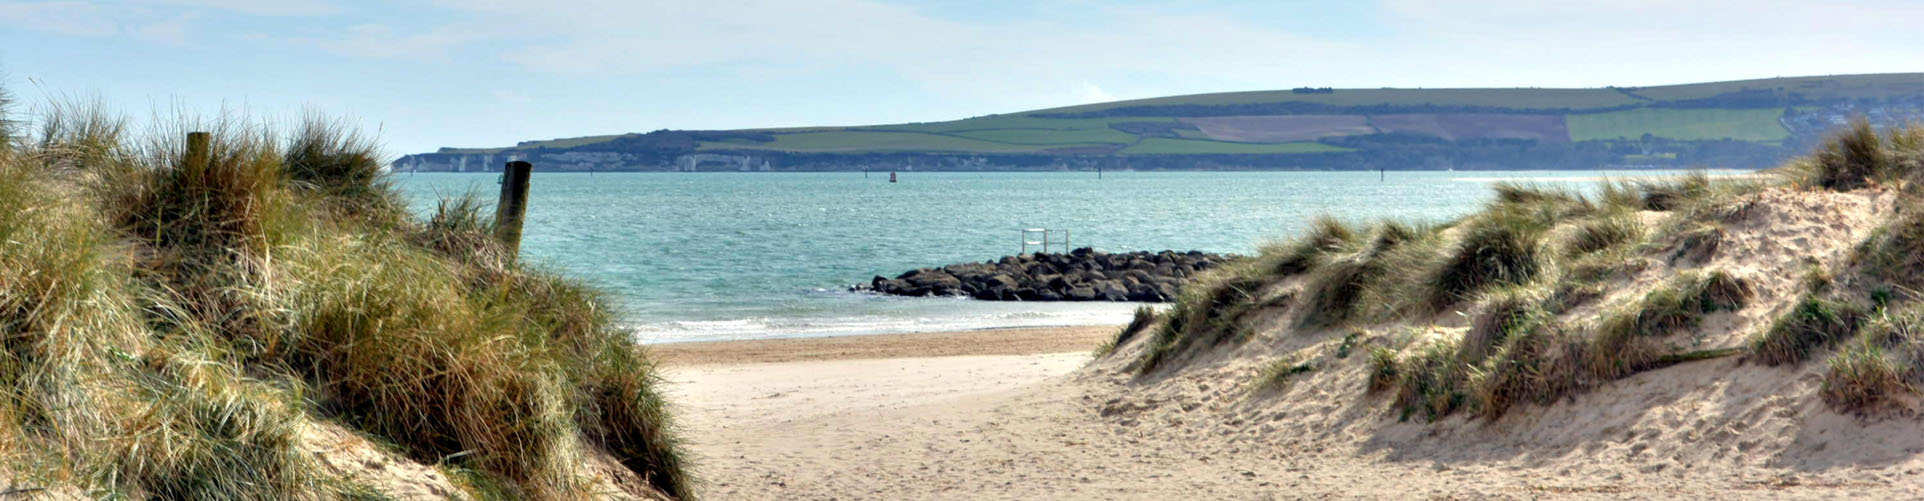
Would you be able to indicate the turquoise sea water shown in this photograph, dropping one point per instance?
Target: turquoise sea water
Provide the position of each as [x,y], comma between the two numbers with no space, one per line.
[705,256]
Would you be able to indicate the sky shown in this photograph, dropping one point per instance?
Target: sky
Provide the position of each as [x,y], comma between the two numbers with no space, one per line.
[474,73]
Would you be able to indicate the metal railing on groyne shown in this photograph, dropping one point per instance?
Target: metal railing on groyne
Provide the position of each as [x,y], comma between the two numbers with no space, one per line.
[1043,237]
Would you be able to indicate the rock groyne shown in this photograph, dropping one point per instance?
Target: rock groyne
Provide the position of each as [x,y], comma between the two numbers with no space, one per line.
[1079,275]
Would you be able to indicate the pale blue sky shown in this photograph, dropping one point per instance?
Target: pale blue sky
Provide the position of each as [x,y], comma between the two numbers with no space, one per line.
[433,73]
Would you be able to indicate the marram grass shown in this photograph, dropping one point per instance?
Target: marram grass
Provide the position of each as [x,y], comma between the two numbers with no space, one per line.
[169,323]
[1529,270]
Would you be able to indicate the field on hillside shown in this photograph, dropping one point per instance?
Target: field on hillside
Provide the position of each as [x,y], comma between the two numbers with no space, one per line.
[1166,146]
[1013,122]
[1682,124]
[1281,128]
[860,140]
[1056,137]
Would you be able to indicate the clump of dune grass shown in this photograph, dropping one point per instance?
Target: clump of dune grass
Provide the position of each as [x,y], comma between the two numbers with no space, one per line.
[1677,304]
[1383,369]
[1278,372]
[1584,278]
[430,368]
[1497,248]
[1816,321]
[1336,288]
[1547,204]
[1536,362]
[1517,350]
[1207,313]
[1326,235]
[1891,252]
[1143,319]
[99,398]
[171,316]
[1851,159]
[9,127]
[1861,376]
[1430,380]
[1883,363]
[1601,234]
[1623,342]
[334,161]
[1503,313]
[1530,194]
[1858,156]
[460,229]
[615,401]
[1672,194]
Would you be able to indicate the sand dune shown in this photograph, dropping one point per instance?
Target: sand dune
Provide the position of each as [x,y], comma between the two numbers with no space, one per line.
[1045,426]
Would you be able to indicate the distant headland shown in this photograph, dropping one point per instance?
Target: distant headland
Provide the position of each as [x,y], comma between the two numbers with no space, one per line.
[1736,124]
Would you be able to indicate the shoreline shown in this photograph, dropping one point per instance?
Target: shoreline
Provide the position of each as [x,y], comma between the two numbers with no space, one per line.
[987,341]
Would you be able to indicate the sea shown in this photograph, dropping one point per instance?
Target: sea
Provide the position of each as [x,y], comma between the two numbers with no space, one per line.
[727,256]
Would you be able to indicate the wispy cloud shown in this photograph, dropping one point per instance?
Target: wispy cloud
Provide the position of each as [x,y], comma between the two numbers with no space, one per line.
[383,41]
[161,21]
[66,18]
[265,7]
[1039,60]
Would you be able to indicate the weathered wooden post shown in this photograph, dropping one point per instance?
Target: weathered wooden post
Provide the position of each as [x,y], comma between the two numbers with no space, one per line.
[513,207]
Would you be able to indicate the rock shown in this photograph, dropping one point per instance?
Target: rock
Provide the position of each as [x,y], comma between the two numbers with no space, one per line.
[1083,274]
[934,283]
[1145,293]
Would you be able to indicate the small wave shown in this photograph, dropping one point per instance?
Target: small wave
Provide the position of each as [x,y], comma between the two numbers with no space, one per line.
[802,327]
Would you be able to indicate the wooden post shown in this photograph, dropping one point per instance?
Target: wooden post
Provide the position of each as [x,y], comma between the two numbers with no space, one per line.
[513,207]
[197,156]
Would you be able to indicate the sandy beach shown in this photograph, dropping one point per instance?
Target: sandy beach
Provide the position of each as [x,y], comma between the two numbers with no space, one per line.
[1027,414]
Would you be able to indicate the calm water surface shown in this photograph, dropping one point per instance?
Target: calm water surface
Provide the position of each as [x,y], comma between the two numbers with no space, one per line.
[704,256]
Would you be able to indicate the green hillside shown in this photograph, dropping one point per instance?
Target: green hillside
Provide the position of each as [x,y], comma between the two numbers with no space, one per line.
[1685,124]
[1503,98]
[1736,124]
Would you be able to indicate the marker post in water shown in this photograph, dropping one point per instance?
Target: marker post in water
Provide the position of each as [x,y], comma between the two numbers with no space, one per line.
[513,207]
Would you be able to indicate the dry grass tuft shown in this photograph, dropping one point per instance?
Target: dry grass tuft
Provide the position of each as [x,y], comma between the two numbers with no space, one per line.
[169,322]
[1497,248]
[332,160]
[1604,233]
[1883,364]
[1208,313]
[1277,373]
[1143,319]
[1813,323]
[1327,235]
[1337,289]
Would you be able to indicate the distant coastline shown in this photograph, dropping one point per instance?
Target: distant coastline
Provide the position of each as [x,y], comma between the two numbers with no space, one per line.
[1749,124]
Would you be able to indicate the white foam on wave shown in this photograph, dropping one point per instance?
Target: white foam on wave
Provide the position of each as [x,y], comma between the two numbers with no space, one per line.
[803,327]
